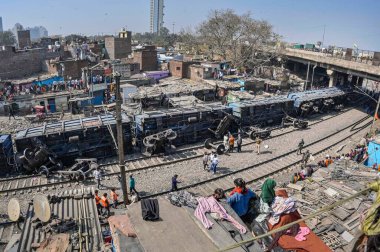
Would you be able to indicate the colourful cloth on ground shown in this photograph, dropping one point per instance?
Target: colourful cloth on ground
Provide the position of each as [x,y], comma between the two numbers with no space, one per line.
[301,236]
[281,206]
[211,205]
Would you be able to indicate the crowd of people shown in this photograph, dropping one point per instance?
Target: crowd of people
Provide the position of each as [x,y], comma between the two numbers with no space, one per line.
[103,203]
[9,91]
[266,211]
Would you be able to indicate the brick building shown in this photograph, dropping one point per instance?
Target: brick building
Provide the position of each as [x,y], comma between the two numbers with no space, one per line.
[198,72]
[72,68]
[126,70]
[118,48]
[180,68]
[23,39]
[19,64]
[147,58]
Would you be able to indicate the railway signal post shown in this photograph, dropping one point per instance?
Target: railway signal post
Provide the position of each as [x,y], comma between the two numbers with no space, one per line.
[120,138]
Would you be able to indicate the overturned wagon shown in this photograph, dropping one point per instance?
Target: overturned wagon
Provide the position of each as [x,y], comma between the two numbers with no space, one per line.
[191,124]
[261,112]
[318,101]
[91,137]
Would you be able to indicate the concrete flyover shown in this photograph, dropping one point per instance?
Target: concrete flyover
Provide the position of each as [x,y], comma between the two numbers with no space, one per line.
[333,64]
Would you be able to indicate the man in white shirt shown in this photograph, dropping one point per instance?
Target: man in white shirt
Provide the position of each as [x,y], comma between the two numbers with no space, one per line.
[98,177]
[214,163]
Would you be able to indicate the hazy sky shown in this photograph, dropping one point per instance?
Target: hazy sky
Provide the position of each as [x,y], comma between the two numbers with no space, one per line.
[347,21]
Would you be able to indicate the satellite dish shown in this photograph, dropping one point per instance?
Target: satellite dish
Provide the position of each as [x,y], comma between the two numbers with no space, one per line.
[42,207]
[14,209]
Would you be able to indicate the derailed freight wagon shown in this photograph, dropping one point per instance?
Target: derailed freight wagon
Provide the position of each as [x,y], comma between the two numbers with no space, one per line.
[318,101]
[88,137]
[261,112]
[191,124]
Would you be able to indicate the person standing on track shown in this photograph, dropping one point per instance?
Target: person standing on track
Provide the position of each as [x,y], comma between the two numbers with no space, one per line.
[98,176]
[258,144]
[231,141]
[239,142]
[205,160]
[175,183]
[132,185]
[225,141]
[214,163]
[300,147]
[306,157]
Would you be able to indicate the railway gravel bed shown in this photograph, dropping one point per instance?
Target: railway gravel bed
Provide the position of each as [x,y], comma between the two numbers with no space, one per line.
[137,162]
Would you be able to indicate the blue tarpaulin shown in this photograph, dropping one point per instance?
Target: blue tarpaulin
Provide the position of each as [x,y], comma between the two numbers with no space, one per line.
[48,81]
[373,154]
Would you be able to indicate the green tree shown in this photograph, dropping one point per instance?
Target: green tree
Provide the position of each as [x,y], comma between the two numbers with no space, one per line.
[7,38]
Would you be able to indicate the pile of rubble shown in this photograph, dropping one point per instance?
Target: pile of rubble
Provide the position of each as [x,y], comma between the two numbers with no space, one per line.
[339,227]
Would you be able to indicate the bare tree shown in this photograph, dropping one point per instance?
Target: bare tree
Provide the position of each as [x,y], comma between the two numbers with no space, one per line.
[190,40]
[244,41]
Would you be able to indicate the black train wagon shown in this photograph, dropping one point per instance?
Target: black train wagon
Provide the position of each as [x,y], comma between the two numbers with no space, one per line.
[88,137]
[261,112]
[190,123]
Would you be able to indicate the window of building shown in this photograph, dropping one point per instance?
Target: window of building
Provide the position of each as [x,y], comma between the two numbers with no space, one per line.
[178,68]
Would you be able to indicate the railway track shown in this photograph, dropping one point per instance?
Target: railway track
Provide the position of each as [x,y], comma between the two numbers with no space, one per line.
[259,172]
[25,184]
[40,183]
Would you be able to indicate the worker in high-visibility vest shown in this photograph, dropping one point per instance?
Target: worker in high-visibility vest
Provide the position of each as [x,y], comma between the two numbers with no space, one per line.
[114,197]
[105,204]
[97,201]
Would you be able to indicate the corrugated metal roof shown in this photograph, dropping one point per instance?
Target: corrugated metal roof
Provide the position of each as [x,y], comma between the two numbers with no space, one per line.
[76,205]
[70,125]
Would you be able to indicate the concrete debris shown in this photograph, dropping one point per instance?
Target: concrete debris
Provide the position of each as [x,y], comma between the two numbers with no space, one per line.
[331,192]
[295,186]
[347,236]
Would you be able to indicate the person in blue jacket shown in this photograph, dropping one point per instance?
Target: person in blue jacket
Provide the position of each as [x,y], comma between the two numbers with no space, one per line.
[240,198]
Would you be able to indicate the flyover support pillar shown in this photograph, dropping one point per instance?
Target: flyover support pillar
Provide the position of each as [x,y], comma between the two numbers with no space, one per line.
[332,77]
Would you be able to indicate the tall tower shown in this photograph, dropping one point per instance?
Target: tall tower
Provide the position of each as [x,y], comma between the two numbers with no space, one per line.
[1,24]
[156,15]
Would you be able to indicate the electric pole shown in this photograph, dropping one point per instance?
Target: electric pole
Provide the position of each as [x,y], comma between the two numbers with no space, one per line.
[120,140]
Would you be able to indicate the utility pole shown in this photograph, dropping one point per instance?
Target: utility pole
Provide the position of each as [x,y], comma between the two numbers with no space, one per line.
[173,27]
[374,116]
[120,140]
[323,38]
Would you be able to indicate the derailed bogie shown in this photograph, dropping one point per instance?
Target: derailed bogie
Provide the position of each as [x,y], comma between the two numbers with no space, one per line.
[159,143]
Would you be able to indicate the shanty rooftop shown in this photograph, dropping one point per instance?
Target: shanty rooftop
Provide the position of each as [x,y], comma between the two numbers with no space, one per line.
[171,87]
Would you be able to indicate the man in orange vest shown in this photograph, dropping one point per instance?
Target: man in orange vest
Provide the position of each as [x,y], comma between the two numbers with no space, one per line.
[231,141]
[114,196]
[105,203]
[97,200]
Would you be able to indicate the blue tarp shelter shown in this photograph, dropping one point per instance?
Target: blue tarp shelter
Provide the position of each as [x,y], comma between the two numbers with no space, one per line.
[373,154]
[48,81]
